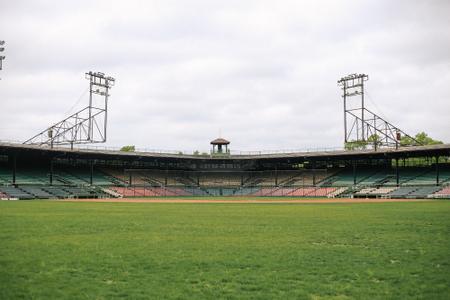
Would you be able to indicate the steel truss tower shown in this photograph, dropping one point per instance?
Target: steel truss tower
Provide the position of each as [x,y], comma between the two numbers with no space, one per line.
[361,124]
[85,126]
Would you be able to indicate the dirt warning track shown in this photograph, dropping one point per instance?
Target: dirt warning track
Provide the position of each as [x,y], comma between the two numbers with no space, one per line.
[241,200]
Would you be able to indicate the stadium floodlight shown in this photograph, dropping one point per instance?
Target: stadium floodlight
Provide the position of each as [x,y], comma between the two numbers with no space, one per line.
[2,57]
[85,126]
[362,125]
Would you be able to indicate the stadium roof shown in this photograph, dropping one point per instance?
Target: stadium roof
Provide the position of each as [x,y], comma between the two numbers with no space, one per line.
[415,151]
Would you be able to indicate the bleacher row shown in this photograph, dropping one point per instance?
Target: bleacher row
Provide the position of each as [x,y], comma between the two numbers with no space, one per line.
[51,192]
[74,182]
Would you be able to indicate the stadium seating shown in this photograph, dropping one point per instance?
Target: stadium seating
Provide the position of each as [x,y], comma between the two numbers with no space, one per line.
[363,177]
[24,176]
[74,182]
[312,192]
[37,192]
[56,191]
[244,191]
[137,191]
[375,192]
[3,195]
[442,193]
[337,192]
[402,192]
[116,176]
[14,192]
[423,192]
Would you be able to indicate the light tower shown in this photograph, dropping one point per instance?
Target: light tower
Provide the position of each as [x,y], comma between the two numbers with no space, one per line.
[85,126]
[353,86]
[362,127]
[1,56]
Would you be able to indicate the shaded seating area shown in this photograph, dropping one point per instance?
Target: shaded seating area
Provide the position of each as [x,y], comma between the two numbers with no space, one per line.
[57,191]
[37,192]
[402,192]
[423,192]
[50,192]
[16,193]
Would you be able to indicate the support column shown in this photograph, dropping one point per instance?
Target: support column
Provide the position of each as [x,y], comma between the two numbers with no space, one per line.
[397,173]
[437,170]
[314,173]
[345,113]
[14,169]
[354,172]
[91,178]
[51,171]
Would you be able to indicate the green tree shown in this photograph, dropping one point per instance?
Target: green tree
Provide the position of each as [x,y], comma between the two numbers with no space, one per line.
[356,145]
[374,140]
[424,139]
[421,137]
[406,141]
[129,148]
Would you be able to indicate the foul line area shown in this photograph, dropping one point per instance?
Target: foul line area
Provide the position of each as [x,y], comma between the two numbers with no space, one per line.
[243,200]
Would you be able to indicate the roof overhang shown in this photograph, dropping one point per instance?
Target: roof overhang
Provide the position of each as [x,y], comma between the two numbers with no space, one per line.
[404,152]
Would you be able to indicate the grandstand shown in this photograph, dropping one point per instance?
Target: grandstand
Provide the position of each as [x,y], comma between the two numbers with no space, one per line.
[36,172]
[48,166]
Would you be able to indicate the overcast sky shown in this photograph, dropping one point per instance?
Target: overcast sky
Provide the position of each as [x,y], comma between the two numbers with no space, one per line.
[263,73]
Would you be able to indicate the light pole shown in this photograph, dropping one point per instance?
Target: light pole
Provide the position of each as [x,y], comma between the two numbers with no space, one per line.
[1,56]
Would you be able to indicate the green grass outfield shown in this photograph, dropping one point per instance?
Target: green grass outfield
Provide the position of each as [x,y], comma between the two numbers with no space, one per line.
[66,250]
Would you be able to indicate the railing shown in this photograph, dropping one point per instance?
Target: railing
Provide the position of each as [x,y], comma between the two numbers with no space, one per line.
[200,153]
[195,152]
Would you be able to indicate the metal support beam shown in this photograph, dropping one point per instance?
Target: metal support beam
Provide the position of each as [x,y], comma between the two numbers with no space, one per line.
[437,170]
[51,171]
[397,172]
[14,169]
[354,172]
[344,88]
[314,173]
[91,178]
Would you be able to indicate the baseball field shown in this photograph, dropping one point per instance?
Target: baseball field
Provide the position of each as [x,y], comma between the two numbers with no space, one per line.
[95,250]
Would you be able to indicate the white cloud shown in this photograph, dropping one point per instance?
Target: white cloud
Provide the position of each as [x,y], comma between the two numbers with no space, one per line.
[263,72]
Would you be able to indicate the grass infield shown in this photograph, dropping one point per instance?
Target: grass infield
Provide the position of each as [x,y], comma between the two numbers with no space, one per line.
[68,250]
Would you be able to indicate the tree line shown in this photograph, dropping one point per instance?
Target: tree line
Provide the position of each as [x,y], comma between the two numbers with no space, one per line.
[375,141]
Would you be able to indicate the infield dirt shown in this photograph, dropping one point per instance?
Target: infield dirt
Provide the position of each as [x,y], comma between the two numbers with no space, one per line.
[242,200]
